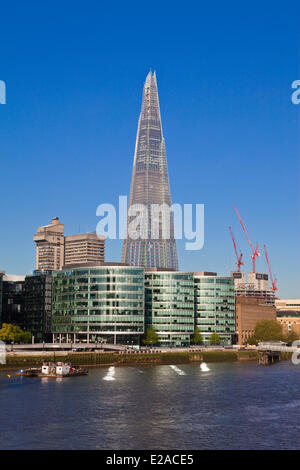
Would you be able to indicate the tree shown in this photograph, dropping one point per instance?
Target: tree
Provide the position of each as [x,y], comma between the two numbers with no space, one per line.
[215,338]
[266,330]
[290,337]
[11,333]
[197,338]
[27,337]
[251,340]
[151,336]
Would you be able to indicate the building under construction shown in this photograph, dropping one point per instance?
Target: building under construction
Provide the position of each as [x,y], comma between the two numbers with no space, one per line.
[257,286]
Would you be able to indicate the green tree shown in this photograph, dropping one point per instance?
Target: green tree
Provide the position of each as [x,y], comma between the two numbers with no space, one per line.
[151,336]
[27,337]
[266,330]
[11,333]
[251,340]
[197,338]
[290,337]
[215,338]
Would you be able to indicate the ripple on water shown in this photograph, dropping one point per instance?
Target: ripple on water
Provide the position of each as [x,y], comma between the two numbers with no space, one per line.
[238,406]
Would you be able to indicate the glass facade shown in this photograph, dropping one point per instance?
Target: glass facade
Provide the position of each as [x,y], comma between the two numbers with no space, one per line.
[37,305]
[13,302]
[169,306]
[215,307]
[102,303]
[117,303]
[149,186]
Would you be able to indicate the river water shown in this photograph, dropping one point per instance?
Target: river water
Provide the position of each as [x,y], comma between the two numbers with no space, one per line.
[232,406]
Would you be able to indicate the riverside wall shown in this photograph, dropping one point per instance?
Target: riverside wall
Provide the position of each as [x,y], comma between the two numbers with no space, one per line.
[17,360]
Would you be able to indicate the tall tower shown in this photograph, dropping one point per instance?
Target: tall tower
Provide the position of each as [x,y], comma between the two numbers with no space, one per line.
[50,243]
[150,185]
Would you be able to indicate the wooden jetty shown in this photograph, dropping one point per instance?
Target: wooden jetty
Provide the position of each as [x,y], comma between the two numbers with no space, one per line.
[266,358]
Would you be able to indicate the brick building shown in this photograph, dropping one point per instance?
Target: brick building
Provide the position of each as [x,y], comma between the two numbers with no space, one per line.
[249,311]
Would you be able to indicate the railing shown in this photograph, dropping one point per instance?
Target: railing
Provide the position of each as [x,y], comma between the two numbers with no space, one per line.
[274,347]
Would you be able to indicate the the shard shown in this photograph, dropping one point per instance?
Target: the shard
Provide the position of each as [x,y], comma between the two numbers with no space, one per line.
[150,186]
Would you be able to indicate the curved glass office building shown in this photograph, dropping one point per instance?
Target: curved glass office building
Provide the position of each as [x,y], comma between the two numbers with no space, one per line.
[98,303]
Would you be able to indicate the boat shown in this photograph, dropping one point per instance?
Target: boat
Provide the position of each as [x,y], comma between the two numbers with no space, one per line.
[61,369]
[51,369]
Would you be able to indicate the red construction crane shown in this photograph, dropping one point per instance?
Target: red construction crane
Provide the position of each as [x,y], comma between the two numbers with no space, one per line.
[255,253]
[238,256]
[273,281]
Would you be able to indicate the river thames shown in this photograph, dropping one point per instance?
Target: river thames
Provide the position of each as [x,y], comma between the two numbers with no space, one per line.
[232,406]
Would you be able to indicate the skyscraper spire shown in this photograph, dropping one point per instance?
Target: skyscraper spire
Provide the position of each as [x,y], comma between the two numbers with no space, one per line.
[150,185]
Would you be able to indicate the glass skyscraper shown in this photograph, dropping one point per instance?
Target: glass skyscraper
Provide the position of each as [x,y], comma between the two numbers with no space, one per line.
[150,185]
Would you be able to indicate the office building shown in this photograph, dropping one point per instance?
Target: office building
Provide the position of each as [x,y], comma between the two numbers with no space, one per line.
[215,306]
[54,250]
[37,300]
[103,303]
[288,315]
[50,243]
[287,305]
[169,306]
[1,292]
[84,248]
[13,299]
[150,186]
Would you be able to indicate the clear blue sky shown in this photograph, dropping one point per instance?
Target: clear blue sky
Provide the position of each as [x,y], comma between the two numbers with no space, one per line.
[74,73]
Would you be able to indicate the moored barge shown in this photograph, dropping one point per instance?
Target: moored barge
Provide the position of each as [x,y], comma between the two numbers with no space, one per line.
[55,370]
